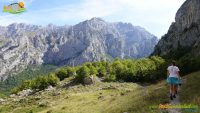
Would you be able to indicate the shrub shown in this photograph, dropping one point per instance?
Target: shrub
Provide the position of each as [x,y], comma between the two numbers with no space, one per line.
[52,79]
[110,78]
[15,90]
[101,72]
[43,82]
[118,69]
[40,83]
[26,84]
[71,71]
[62,74]
[93,70]
[82,73]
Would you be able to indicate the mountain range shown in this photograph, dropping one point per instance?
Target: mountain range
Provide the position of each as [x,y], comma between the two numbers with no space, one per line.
[91,40]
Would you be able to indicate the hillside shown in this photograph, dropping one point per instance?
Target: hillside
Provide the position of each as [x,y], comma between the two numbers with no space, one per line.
[103,98]
[98,98]
[91,40]
[101,83]
[190,93]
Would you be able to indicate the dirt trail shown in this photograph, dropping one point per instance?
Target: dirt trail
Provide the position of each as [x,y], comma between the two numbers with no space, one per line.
[176,101]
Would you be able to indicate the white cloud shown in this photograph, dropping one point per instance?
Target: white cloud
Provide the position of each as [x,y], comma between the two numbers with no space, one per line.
[155,15]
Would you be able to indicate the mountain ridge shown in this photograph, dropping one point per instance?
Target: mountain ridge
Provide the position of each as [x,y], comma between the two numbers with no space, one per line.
[90,40]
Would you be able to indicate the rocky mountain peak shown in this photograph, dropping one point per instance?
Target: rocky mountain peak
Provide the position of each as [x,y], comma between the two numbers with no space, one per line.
[124,25]
[94,23]
[96,19]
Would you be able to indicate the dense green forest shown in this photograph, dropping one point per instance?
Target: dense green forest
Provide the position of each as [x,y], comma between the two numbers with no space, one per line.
[142,70]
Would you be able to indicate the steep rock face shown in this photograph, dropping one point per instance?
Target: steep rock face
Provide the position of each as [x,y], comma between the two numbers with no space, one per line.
[138,42]
[91,40]
[183,36]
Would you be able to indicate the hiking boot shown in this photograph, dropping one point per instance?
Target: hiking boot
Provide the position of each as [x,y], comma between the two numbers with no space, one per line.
[174,96]
[171,97]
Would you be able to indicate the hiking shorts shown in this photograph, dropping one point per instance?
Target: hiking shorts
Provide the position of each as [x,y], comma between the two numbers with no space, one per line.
[173,81]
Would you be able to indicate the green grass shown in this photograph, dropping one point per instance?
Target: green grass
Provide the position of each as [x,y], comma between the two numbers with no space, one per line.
[104,97]
[190,93]
[99,98]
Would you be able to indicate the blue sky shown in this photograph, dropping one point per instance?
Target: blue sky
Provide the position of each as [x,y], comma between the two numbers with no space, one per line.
[154,15]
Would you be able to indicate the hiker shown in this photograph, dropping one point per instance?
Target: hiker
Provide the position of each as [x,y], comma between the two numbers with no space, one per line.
[173,79]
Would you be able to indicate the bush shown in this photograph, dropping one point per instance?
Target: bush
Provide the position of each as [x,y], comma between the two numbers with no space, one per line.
[40,83]
[71,71]
[110,78]
[43,82]
[15,90]
[82,73]
[62,74]
[117,69]
[93,70]
[26,84]
[101,72]
[52,79]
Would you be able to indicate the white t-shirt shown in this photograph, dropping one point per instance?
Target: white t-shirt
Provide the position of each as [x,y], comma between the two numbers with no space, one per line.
[173,70]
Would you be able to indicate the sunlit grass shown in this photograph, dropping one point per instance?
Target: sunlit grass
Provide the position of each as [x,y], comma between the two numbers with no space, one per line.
[190,93]
[98,98]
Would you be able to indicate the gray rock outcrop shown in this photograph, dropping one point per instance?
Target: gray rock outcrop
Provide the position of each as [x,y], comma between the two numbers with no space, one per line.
[91,80]
[183,36]
[25,93]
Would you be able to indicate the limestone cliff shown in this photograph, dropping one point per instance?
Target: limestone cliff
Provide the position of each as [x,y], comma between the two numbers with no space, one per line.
[183,37]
